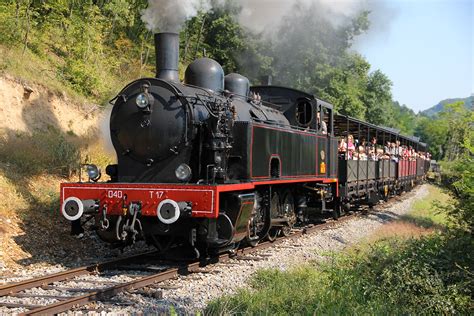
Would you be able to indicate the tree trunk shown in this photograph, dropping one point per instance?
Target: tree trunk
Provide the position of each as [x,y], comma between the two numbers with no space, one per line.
[27,33]
[199,37]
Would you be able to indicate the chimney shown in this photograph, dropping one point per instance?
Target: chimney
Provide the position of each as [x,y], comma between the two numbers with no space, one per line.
[167,56]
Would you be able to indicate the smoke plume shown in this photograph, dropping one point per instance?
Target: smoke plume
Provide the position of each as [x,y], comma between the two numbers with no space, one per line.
[265,16]
[170,15]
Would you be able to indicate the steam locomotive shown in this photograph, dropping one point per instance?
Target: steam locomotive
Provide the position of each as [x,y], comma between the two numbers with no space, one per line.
[212,163]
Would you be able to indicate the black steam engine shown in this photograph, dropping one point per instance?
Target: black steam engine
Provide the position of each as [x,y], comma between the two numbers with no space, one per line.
[211,162]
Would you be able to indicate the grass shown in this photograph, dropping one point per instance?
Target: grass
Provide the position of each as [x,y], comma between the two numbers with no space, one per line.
[52,71]
[48,152]
[428,212]
[19,64]
[390,274]
[425,217]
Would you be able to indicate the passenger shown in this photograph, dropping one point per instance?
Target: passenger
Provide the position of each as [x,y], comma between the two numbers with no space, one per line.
[387,148]
[342,145]
[404,153]
[373,155]
[350,146]
[394,152]
[381,154]
[362,154]
[373,144]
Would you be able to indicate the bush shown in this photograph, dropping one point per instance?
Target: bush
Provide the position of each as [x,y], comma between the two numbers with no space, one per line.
[458,177]
[431,275]
[81,77]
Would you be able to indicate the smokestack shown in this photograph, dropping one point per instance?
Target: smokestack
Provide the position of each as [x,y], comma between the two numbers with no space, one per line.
[167,56]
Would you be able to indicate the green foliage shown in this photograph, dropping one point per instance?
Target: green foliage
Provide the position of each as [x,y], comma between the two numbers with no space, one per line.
[404,119]
[95,47]
[378,98]
[77,41]
[458,169]
[432,275]
[450,134]
[460,130]
[434,133]
[459,178]
[346,85]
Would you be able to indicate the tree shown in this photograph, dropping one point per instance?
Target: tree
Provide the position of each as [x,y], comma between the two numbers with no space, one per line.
[459,121]
[378,98]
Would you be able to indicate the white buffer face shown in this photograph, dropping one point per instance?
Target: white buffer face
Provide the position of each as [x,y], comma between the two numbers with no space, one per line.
[168,211]
[72,208]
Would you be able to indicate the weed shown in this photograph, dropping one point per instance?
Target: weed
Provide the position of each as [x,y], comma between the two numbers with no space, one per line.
[416,276]
[41,152]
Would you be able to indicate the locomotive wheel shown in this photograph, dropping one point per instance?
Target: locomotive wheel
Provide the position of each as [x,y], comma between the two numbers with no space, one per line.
[261,221]
[338,210]
[288,210]
[286,230]
[274,212]
[273,234]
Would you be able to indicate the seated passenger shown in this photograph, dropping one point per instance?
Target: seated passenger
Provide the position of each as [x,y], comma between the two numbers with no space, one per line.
[398,149]
[362,154]
[394,152]
[373,155]
[342,145]
[350,146]
[381,155]
[373,144]
[404,152]
[387,148]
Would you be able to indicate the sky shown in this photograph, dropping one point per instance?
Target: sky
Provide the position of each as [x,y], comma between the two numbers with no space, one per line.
[426,47]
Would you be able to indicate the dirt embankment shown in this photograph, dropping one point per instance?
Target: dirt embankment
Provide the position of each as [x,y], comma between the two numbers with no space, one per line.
[31,230]
[26,107]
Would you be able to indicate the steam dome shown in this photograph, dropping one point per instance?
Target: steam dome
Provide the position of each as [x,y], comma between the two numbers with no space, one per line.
[237,84]
[206,73]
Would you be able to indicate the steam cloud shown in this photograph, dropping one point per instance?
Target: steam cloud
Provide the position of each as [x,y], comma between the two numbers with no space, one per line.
[264,16]
[258,16]
[169,15]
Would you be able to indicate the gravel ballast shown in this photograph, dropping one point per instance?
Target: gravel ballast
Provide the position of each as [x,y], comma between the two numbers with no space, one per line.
[189,294]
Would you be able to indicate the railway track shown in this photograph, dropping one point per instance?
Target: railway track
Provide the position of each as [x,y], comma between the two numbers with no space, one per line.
[142,270]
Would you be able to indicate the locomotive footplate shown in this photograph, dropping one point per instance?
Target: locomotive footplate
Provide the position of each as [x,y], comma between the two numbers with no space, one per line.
[165,201]
[194,200]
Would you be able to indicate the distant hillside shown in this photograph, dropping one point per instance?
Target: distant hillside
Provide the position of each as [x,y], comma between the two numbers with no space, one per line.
[468,103]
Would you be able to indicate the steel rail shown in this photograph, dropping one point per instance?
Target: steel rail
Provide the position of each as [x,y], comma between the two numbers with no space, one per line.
[171,273]
[16,287]
[77,301]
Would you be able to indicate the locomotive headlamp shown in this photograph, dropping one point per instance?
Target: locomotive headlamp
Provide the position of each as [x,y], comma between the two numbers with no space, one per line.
[183,172]
[142,100]
[93,172]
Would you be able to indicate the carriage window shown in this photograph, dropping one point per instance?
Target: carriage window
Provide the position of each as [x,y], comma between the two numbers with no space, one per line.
[304,113]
